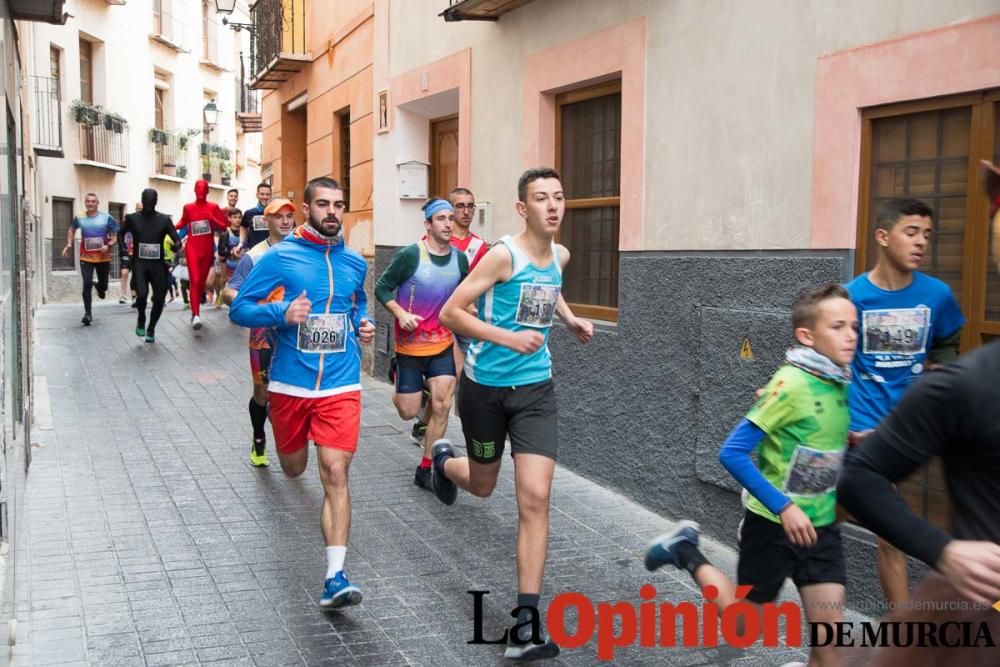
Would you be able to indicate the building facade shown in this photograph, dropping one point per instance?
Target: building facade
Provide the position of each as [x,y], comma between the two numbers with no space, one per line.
[123,97]
[717,158]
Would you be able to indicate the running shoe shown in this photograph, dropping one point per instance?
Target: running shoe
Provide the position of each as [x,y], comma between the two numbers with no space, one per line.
[663,550]
[140,332]
[422,478]
[150,338]
[258,455]
[134,304]
[528,651]
[196,322]
[187,306]
[443,488]
[122,301]
[339,592]
[418,433]
[86,319]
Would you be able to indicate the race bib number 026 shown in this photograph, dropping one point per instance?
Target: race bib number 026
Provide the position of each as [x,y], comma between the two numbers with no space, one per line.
[323,333]
[200,228]
[149,251]
[896,331]
[537,305]
[259,223]
[813,472]
[93,243]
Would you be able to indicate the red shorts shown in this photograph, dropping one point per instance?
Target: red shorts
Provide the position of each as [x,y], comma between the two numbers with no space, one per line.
[331,421]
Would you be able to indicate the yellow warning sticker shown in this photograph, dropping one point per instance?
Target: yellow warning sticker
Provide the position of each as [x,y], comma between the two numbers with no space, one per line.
[746,352]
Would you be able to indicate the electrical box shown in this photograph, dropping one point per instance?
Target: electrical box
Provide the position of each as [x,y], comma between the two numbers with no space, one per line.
[413,177]
[482,222]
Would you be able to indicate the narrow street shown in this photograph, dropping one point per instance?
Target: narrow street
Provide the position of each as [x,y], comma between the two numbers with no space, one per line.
[147,538]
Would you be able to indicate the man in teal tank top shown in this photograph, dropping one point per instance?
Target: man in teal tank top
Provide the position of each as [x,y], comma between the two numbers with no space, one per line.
[506,387]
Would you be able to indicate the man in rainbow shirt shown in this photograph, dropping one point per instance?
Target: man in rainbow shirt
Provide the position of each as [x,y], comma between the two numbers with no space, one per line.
[413,288]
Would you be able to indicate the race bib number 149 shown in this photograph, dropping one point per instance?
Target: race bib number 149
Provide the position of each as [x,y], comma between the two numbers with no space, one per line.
[896,330]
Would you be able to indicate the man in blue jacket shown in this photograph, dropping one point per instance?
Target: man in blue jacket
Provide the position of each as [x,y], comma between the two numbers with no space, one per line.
[311,288]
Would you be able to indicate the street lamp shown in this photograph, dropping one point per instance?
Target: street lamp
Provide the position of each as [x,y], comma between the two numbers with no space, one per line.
[227,7]
[211,113]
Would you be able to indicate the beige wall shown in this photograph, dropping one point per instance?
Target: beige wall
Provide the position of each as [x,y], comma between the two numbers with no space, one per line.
[730,103]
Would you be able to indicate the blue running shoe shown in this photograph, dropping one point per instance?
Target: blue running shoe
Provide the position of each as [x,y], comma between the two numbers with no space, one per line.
[663,550]
[339,592]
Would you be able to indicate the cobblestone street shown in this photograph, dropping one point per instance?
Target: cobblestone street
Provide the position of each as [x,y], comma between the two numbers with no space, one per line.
[147,538]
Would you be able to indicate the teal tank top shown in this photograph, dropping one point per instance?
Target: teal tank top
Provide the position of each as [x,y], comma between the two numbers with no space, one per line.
[526,301]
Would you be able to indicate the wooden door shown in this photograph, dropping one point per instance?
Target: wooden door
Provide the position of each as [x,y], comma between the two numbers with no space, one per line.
[444,156]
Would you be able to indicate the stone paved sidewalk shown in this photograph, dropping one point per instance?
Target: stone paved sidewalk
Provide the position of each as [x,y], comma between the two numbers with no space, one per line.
[147,539]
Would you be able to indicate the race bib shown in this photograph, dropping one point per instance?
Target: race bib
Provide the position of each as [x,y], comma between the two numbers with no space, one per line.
[813,472]
[149,251]
[537,305]
[259,223]
[323,333]
[93,243]
[200,228]
[896,331]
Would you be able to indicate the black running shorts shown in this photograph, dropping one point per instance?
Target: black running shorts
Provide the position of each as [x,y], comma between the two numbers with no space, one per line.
[767,558]
[528,414]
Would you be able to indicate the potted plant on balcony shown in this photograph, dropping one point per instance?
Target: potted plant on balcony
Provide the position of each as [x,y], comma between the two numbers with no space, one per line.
[114,123]
[157,136]
[85,114]
[206,168]
[226,169]
[182,171]
[206,149]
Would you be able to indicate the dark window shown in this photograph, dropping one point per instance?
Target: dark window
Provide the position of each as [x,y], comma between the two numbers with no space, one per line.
[62,218]
[589,160]
[86,72]
[344,126]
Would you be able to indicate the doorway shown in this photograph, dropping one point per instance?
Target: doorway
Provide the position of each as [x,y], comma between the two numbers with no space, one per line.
[444,156]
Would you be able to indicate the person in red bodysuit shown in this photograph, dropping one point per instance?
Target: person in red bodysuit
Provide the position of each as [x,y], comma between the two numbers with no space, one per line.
[200,218]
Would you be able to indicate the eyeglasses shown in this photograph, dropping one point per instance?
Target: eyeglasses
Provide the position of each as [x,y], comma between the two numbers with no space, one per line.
[469,207]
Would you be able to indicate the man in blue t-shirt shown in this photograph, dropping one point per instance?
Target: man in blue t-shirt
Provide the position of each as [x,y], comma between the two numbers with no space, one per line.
[98,234]
[910,322]
[253,226]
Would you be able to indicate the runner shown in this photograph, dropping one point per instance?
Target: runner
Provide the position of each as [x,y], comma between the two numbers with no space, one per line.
[199,219]
[910,323]
[463,240]
[311,287]
[413,288]
[228,253]
[98,233]
[281,222]
[232,197]
[149,229]
[800,426]
[253,226]
[507,386]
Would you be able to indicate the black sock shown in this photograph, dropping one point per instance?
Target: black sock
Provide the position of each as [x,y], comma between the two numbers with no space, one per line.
[690,557]
[524,616]
[258,415]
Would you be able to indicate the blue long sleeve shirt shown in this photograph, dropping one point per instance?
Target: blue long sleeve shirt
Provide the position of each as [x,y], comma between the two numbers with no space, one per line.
[735,457]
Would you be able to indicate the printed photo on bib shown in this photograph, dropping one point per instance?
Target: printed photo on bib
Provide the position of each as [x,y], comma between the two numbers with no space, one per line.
[93,243]
[537,305]
[259,223]
[323,333]
[901,331]
[200,228]
[149,251]
[813,472]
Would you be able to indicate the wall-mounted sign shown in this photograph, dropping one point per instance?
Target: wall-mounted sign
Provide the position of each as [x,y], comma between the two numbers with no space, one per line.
[413,179]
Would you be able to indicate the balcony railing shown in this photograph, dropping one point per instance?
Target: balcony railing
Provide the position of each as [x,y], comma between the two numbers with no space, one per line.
[46,128]
[249,102]
[170,152]
[168,28]
[279,42]
[103,136]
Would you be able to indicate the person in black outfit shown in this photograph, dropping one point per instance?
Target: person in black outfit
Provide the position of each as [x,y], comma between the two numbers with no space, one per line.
[149,227]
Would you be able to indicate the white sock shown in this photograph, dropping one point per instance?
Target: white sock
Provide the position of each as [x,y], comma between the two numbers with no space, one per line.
[335,560]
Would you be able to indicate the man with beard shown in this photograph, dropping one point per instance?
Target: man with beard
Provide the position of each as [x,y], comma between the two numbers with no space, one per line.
[148,228]
[200,217]
[281,222]
[311,288]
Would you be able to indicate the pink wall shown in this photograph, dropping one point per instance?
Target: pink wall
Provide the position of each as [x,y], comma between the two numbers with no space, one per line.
[958,58]
[454,71]
[621,49]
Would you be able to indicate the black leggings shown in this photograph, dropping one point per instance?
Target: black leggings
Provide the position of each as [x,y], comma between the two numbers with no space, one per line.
[103,270]
[149,272]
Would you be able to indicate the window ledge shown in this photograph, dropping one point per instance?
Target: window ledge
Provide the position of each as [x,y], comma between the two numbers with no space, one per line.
[100,165]
[172,179]
[167,43]
[211,64]
[220,186]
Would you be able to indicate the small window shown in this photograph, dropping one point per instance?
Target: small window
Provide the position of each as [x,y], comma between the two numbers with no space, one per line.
[86,72]
[588,157]
[62,219]
[55,63]
[344,127]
